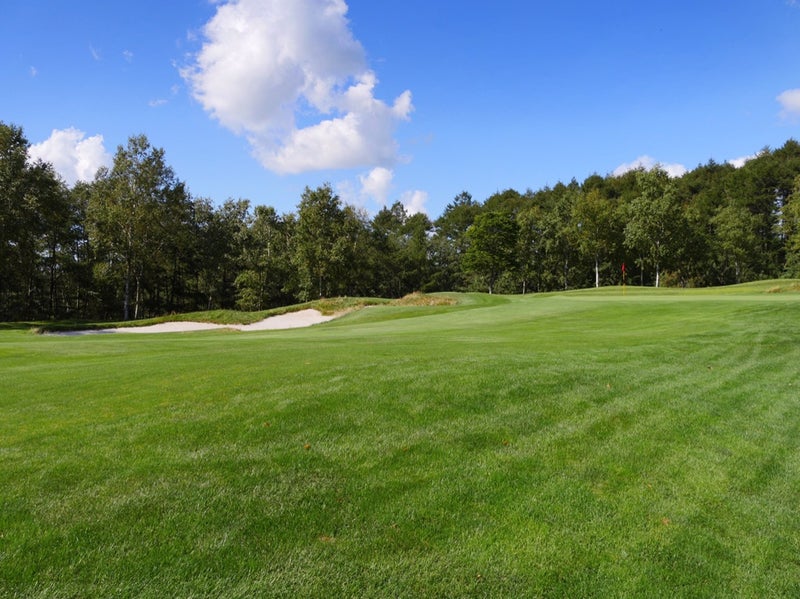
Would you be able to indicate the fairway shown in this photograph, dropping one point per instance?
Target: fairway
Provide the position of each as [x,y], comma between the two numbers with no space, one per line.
[574,444]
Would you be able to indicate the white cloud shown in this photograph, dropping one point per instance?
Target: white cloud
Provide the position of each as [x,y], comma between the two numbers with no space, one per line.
[790,103]
[376,184]
[414,201]
[127,55]
[740,162]
[73,155]
[95,53]
[267,64]
[649,163]
[374,188]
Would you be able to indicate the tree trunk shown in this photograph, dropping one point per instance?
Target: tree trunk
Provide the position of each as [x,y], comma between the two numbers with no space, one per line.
[596,273]
[138,295]
[52,281]
[126,301]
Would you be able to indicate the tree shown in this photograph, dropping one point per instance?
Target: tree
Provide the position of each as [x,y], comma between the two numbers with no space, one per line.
[400,246]
[13,216]
[559,233]
[792,228]
[653,219]
[449,243]
[128,208]
[265,261]
[510,201]
[37,219]
[220,235]
[387,243]
[352,274]
[318,253]
[492,243]
[530,247]
[53,225]
[594,220]
[415,252]
[735,238]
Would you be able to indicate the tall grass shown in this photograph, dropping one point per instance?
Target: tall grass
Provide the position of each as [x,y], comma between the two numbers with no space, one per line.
[578,444]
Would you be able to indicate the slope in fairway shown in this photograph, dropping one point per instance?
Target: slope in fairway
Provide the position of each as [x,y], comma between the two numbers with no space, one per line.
[578,444]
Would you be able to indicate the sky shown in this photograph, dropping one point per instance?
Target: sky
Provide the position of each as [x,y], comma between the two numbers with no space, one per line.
[413,101]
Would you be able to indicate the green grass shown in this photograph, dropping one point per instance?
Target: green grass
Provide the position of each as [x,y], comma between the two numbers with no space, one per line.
[563,445]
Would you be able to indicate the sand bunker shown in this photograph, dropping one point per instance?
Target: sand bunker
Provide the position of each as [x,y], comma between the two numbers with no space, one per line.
[291,320]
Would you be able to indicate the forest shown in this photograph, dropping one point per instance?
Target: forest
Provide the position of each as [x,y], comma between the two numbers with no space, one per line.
[134,243]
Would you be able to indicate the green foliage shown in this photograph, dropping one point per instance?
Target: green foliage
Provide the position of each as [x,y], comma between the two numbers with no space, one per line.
[450,242]
[134,244]
[654,221]
[587,443]
[135,208]
[792,230]
[492,240]
[596,227]
[319,242]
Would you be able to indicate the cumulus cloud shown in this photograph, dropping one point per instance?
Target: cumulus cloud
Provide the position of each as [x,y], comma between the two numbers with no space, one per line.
[291,77]
[376,184]
[414,201]
[73,155]
[740,162]
[790,103]
[649,163]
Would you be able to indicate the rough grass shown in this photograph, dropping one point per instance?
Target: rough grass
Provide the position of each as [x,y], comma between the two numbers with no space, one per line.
[568,445]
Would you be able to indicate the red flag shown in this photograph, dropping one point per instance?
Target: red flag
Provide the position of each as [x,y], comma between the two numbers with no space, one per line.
[623,268]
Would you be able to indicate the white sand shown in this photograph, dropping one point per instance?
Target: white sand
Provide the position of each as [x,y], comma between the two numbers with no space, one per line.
[291,320]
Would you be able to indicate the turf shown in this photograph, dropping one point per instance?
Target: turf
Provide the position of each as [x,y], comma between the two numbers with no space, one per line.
[579,444]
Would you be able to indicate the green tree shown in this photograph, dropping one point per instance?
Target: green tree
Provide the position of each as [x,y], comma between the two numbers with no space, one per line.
[492,241]
[594,219]
[450,242]
[735,239]
[653,219]
[415,252]
[37,223]
[128,211]
[559,234]
[387,235]
[510,201]
[400,246]
[220,234]
[14,217]
[352,273]
[792,229]
[264,259]
[319,249]
[530,247]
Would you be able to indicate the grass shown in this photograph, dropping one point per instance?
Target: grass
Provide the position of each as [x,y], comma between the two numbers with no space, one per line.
[562,445]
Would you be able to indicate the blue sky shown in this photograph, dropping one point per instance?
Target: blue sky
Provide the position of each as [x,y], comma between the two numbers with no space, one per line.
[413,101]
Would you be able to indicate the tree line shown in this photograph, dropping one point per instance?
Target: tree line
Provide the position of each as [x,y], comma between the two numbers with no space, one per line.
[134,243]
